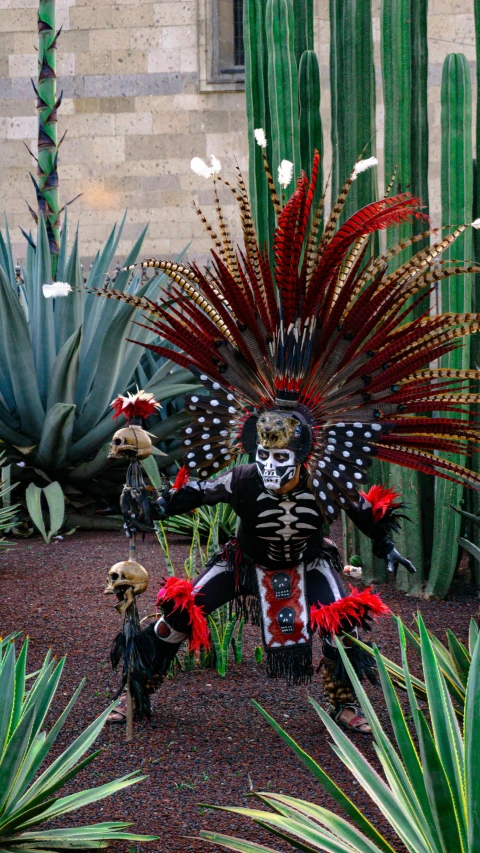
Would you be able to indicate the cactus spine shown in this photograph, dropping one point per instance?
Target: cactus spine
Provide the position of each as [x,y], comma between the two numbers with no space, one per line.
[46,185]
[404,66]
[457,205]
[282,77]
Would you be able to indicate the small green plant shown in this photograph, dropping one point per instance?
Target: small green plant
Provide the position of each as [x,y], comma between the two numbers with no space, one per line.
[222,627]
[56,508]
[29,790]
[429,793]
[8,511]
[258,653]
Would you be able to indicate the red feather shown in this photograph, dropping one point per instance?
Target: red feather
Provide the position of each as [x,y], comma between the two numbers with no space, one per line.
[180,592]
[347,613]
[140,405]
[181,479]
[381,498]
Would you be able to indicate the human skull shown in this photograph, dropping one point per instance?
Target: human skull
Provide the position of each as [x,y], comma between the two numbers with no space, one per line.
[127,574]
[132,441]
[276,467]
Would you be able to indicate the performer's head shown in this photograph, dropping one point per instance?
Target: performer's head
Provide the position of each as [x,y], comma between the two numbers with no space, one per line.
[284,440]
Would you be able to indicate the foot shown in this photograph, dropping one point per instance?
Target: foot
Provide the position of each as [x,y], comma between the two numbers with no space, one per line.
[119,713]
[352,719]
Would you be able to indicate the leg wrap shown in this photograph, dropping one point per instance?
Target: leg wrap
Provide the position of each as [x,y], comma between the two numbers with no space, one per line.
[337,692]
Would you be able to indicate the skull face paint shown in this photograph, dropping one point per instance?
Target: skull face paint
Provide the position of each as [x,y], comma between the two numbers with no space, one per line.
[276,467]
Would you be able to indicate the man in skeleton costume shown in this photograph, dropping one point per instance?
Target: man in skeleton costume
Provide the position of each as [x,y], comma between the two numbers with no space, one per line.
[308,365]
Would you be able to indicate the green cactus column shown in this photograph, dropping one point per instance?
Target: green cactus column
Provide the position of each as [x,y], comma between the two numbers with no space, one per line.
[352,85]
[47,105]
[303,13]
[474,530]
[353,102]
[282,78]
[456,295]
[311,136]
[404,69]
[258,115]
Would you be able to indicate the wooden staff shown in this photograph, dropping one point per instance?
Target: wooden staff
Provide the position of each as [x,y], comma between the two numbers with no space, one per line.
[132,555]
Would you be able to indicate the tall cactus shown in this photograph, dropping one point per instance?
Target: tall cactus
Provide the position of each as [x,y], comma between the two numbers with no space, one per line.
[282,75]
[404,67]
[456,295]
[352,83]
[46,185]
[258,114]
[311,136]
[303,10]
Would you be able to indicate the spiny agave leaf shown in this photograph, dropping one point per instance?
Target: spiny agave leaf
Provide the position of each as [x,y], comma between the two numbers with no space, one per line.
[7,693]
[150,467]
[96,278]
[464,514]
[56,506]
[18,370]
[56,436]
[63,381]
[63,251]
[41,323]
[472,549]
[33,497]
[6,256]
[15,753]
[69,312]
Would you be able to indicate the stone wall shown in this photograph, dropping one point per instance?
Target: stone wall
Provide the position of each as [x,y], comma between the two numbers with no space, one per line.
[139,103]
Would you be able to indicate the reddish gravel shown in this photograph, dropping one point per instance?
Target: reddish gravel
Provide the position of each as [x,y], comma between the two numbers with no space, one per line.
[206,737]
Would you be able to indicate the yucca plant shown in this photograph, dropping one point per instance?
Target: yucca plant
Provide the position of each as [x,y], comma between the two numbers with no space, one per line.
[8,511]
[29,790]
[202,519]
[429,794]
[63,360]
[454,660]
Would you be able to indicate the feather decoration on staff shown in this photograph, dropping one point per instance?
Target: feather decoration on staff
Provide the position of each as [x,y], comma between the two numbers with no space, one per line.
[327,333]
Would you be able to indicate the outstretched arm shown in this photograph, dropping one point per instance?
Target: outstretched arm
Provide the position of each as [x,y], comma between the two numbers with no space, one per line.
[185,497]
[376,515]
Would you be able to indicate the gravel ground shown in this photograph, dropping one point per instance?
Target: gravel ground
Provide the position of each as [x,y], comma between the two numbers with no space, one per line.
[206,739]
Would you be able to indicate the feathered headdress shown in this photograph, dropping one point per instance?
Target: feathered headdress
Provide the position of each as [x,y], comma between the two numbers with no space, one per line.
[314,324]
[136,406]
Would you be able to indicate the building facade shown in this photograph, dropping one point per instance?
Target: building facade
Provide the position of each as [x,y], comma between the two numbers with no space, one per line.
[149,85]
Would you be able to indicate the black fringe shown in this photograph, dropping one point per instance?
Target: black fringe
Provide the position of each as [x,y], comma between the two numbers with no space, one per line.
[293,663]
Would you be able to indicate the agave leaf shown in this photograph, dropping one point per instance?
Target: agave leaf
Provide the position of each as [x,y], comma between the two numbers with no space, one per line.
[34,496]
[20,672]
[327,783]
[7,689]
[17,371]
[470,515]
[56,436]
[87,470]
[14,753]
[69,312]
[41,324]
[460,656]
[63,381]
[472,756]
[238,844]
[472,635]
[150,467]
[56,506]
[96,278]
[63,249]
[472,549]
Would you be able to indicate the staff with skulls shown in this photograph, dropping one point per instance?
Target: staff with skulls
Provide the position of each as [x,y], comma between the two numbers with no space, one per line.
[128,579]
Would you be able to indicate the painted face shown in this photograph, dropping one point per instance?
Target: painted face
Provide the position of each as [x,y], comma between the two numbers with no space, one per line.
[276,467]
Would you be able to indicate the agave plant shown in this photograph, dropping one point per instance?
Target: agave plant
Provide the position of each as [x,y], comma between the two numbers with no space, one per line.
[429,794]
[29,791]
[454,661]
[62,361]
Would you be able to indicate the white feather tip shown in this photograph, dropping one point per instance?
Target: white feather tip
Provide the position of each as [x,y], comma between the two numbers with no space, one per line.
[476,223]
[200,168]
[285,173]
[58,288]
[216,165]
[260,137]
[363,165]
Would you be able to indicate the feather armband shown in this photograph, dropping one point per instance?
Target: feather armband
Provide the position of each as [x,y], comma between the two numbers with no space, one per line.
[179,593]
[356,610]
[385,507]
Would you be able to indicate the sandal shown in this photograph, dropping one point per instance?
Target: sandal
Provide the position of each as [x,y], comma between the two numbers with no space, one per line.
[355,723]
[119,714]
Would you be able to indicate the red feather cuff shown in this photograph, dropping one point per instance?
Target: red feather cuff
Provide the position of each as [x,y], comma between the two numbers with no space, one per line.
[180,592]
[382,499]
[353,611]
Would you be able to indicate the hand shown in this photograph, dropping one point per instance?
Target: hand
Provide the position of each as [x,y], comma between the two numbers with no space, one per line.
[393,558]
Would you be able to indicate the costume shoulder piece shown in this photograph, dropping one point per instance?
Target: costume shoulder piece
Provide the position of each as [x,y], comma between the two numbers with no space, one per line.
[305,345]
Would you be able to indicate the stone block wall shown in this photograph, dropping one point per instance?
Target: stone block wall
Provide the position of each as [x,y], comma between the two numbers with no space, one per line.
[138,105]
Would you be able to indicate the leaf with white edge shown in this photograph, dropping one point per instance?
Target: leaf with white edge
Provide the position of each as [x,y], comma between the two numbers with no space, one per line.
[33,497]
[56,506]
